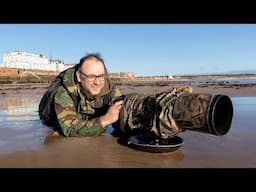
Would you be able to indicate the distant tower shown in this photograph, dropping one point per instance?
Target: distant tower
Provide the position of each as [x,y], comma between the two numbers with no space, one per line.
[50,59]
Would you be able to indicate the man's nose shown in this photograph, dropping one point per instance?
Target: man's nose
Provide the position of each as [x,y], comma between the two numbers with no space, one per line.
[96,80]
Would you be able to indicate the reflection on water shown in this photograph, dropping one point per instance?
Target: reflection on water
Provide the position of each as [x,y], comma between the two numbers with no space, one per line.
[244,114]
[21,130]
[18,115]
[20,127]
[228,81]
[18,110]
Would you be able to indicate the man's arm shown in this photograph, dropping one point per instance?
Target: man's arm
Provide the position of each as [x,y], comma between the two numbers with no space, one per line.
[112,114]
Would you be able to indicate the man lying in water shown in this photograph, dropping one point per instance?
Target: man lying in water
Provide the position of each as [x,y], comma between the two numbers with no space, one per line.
[86,103]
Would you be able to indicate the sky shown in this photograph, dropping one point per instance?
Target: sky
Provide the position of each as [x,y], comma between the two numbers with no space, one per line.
[144,49]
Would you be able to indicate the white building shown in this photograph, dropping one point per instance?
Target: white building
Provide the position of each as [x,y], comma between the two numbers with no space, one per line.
[23,60]
[56,65]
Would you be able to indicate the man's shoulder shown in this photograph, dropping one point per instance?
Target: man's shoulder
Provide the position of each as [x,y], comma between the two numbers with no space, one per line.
[60,92]
[67,91]
[62,97]
[60,89]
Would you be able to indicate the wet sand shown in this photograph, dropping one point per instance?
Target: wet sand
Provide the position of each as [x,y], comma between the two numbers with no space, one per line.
[24,145]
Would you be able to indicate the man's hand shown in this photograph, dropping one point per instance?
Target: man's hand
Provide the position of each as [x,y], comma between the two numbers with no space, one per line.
[112,114]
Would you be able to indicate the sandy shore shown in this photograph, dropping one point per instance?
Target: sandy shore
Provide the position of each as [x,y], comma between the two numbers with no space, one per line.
[200,150]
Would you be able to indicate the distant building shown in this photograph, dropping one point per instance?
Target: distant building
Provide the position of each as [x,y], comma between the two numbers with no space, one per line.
[122,75]
[24,60]
[29,61]
[56,65]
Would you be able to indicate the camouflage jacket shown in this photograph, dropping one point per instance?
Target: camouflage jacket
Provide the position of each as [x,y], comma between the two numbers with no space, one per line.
[82,119]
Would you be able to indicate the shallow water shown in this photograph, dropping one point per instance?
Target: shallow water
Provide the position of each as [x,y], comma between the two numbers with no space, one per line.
[23,142]
[20,128]
[225,82]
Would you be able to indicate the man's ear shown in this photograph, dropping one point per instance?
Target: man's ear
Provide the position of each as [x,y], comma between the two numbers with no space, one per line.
[78,76]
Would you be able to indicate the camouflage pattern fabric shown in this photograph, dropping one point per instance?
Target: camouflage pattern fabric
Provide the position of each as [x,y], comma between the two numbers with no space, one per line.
[191,111]
[165,114]
[152,113]
[204,113]
[83,119]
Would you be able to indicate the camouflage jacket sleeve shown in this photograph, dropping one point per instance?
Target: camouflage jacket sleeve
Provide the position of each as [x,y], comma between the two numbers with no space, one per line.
[71,122]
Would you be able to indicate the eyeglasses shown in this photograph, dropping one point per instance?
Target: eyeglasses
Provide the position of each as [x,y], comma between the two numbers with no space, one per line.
[100,77]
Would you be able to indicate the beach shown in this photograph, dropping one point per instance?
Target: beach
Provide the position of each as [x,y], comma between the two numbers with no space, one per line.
[25,144]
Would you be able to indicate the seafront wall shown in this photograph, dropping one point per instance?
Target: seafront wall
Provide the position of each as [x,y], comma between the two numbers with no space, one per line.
[27,79]
[25,76]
